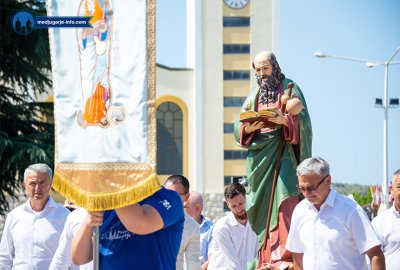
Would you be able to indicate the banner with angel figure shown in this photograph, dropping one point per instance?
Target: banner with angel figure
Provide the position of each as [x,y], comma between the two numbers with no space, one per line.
[104,102]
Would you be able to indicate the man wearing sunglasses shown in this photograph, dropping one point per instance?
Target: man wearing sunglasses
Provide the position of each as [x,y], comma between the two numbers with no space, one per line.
[329,230]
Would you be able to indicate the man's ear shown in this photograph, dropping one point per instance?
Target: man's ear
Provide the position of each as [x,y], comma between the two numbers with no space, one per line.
[187,196]
[328,180]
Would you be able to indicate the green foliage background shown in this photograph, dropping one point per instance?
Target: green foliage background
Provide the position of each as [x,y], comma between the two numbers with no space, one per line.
[26,128]
[361,193]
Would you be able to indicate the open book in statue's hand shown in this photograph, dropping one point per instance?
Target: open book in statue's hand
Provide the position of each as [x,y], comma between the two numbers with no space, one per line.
[262,115]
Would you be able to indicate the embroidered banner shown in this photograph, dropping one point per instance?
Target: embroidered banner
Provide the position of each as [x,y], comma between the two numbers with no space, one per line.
[104,102]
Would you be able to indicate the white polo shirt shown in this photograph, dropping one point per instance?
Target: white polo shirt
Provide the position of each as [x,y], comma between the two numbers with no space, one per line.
[387,227]
[333,238]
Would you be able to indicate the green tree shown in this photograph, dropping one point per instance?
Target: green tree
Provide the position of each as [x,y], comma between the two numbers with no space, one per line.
[26,131]
[363,199]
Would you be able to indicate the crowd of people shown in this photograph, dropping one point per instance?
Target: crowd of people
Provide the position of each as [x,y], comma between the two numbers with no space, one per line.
[289,217]
[168,231]
[164,231]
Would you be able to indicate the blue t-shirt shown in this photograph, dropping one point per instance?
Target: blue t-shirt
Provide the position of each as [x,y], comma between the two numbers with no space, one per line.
[121,249]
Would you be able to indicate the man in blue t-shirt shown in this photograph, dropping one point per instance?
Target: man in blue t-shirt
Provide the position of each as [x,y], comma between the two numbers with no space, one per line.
[146,235]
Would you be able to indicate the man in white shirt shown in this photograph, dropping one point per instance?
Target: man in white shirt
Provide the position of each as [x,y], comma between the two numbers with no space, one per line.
[189,251]
[234,242]
[194,207]
[328,230]
[62,258]
[387,227]
[32,230]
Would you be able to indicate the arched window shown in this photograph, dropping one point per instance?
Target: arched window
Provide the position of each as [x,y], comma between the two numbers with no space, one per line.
[169,139]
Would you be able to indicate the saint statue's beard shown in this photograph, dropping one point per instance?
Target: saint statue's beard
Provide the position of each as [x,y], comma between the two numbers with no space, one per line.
[268,88]
[242,216]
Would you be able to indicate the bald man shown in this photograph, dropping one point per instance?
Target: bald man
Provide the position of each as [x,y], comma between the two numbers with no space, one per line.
[194,207]
[277,144]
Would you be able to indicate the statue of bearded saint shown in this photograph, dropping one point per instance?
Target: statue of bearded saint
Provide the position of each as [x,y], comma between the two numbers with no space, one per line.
[269,77]
[94,48]
[269,83]
[275,147]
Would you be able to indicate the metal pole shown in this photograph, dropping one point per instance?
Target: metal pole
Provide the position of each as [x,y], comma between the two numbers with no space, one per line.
[96,237]
[385,184]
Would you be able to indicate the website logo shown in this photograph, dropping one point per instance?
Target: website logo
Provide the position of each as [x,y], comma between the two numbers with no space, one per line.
[24,23]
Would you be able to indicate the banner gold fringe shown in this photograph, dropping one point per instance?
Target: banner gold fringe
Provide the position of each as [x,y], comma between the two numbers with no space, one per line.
[106,200]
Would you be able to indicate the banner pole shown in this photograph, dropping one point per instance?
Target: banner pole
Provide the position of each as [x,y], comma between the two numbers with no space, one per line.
[96,233]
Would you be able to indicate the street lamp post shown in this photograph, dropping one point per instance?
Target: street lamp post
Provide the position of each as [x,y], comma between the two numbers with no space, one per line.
[385,105]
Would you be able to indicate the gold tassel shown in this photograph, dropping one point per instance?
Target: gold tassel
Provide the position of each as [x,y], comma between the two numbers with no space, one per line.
[100,201]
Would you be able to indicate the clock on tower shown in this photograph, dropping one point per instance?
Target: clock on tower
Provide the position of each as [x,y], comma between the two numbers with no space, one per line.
[236,3]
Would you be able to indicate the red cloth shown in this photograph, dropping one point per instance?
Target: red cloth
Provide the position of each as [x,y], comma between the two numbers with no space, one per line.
[275,252]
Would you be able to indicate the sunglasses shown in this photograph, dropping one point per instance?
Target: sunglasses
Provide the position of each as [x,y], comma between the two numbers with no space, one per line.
[311,189]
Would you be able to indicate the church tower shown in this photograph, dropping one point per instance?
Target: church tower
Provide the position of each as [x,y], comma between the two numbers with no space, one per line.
[223,36]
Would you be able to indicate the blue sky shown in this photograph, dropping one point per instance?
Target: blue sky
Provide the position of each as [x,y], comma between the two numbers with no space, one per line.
[347,128]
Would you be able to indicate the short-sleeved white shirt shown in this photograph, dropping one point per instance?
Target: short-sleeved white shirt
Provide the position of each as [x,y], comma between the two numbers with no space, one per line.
[387,227]
[333,238]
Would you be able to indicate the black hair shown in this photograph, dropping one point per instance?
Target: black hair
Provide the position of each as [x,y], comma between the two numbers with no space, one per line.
[234,189]
[177,178]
